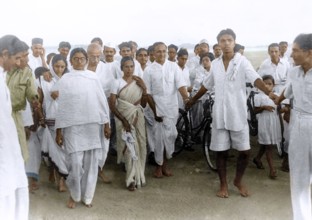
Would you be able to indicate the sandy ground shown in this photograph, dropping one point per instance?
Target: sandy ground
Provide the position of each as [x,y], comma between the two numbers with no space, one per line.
[189,194]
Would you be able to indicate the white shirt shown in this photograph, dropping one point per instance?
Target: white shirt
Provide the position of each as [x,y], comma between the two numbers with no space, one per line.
[279,71]
[230,109]
[163,82]
[114,68]
[193,63]
[12,169]
[300,88]
[34,62]
[200,74]
[105,76]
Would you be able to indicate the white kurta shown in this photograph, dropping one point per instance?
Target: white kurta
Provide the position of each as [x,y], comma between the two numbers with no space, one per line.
[163,82]
[279,72]
[300,143]
[186,77]
[14,200]
[230,109]
[105,76]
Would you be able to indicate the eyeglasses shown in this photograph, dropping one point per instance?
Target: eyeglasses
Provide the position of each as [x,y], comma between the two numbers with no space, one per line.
[81,59]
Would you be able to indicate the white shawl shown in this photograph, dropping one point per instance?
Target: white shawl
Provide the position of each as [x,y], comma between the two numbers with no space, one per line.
[81,100]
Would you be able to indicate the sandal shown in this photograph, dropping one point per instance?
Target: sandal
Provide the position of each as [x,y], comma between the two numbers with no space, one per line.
[258,164]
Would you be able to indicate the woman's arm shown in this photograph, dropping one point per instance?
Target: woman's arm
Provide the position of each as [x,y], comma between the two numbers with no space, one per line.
[112,106]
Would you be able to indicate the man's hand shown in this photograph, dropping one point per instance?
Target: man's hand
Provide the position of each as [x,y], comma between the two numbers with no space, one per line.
[55,95]
[59,138]
[107,131]
[274,97]
[158,119]
[269,108]
[189,104]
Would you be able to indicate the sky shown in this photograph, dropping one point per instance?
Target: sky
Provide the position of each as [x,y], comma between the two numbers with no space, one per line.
[255,22]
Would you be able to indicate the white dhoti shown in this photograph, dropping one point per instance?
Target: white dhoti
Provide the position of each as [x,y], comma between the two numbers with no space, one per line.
[300,164]
[57,154]
[32,165]
[83,172]
[15,206]
[149,122]
[165,134]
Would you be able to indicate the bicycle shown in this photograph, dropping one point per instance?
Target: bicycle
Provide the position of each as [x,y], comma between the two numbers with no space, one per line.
[188,134]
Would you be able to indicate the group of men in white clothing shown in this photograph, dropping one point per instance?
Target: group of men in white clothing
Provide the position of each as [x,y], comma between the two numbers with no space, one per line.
[166,82]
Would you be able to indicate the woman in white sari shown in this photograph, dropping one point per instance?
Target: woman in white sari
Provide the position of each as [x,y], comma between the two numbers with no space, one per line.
[48,98]
[128,96]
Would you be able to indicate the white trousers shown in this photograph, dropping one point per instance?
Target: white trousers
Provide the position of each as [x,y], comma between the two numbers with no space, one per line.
[15,206]
[300,164]
[82,174]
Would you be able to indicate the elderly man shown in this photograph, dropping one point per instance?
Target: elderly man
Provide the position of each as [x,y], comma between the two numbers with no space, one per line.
[163,80]
[106,78]
[14,199]
[299,87]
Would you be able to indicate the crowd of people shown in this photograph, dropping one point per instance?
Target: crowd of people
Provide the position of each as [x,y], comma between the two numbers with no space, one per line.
[70,108]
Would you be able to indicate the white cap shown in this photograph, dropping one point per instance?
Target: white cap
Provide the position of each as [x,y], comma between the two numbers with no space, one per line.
[110,45]
[203,41]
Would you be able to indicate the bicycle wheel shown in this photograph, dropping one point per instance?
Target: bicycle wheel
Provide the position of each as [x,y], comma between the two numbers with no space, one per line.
[210,155]
[182,128]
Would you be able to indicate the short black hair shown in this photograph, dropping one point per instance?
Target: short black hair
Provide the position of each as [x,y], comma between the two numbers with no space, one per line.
[266,77]
[78,50]
[304,41]
[64,44]
[209,55]
[125,44]
[173,46]
[182,52]
[40,70]
[273,45]
[226,31]
[140,50]
[237,47]
[12,44]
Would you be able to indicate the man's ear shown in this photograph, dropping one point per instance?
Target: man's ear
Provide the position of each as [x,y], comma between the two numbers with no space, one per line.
[4,53]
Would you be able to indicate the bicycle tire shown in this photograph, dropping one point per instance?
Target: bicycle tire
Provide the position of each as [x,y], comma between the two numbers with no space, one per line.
[183,131]
[210,156]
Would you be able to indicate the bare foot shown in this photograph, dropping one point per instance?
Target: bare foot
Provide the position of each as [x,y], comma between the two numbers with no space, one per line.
[242,189]
[33,185]
[166,171]
[131,187]
[104,178]
[273,174]
[62,185]
[88,205]
[158,172]
[52,175]
[223,192]
[71,203]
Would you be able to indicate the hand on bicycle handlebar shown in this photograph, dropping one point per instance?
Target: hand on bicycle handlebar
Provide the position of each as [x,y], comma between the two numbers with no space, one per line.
[188,104]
